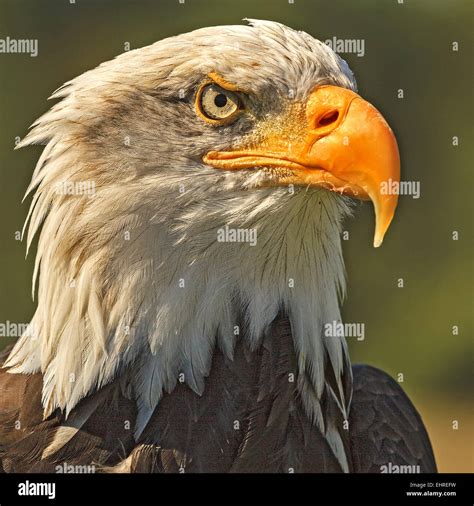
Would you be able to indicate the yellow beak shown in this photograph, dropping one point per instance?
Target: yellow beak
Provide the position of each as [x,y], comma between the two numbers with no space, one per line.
[344,145]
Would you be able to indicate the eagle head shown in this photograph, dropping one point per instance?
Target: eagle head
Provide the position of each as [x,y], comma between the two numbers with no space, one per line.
[221,163]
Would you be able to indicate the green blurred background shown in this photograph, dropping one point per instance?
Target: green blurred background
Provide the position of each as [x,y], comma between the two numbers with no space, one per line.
[407,46]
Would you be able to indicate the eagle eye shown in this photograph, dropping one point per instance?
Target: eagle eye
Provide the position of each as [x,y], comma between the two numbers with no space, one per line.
[216,104]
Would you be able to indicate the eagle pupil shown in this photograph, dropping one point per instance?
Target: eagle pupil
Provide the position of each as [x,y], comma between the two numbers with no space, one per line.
[220,100]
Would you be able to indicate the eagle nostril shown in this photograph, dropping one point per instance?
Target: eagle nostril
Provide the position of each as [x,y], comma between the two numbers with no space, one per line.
[327,119]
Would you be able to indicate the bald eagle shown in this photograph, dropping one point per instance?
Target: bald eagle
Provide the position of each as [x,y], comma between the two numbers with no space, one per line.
[189,203]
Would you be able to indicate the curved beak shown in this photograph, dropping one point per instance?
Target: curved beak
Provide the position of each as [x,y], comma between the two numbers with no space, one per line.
[339,142]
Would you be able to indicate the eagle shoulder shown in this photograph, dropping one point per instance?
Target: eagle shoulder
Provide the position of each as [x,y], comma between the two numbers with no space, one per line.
[387,431]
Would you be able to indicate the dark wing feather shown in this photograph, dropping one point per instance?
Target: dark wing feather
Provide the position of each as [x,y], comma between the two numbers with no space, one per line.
[278,436]
[385,426]
[249,418]
[198,433]
[96,433]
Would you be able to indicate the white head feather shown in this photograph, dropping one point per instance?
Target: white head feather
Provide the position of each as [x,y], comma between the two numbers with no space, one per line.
[134,277]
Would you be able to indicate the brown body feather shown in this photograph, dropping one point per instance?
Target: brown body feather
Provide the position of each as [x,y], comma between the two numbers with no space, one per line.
[249,419]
